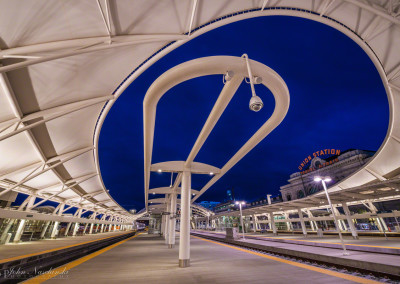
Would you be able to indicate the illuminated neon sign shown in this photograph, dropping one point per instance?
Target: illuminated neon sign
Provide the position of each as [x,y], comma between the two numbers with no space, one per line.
[317,154]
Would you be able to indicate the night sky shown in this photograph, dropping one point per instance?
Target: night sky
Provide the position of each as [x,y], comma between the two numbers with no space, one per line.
[337,101]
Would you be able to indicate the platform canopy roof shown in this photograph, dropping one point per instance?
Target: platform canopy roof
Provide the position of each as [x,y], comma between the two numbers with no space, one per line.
[64,64]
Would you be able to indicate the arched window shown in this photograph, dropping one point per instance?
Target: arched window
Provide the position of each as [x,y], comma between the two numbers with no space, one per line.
[300,194]
[288,197]
[313,190]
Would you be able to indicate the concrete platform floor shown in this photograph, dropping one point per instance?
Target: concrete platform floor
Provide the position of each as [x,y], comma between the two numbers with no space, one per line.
[391,242]
[384,263]
[146,259]
[19,250]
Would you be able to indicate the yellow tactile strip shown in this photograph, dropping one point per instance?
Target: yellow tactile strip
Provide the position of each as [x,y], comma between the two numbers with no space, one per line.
[55,249]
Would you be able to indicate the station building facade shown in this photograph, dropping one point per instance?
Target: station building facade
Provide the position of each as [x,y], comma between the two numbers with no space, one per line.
[336,164]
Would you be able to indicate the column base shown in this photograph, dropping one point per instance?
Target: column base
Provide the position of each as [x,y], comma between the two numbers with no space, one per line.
[355,237]
[170,246]
[184,263]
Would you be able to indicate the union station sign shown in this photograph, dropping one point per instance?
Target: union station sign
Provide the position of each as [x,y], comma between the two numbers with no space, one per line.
[323,152]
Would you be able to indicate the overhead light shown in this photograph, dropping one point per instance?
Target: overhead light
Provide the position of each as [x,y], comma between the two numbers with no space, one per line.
[327,179]
[385,189]
[211,173]
[256,103]
[317,178]
[159,170]
[154,193]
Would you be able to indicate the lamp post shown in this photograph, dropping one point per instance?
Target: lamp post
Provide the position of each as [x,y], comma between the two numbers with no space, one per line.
[324,180]
[240,203]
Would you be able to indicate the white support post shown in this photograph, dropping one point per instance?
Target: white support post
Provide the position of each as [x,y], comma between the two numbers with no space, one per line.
[167,223]
[184,242]
[76,226]
[172,219]
[162,226]
[91,229]
[20,230]
[349,220]
[84,229]
[342,226]
[313,223]
[55,228]
[92,224]
[67,229]
[381,223]
[46,226]
[288,224]
[5,232]
[254,223]
[272,223]
[303,225]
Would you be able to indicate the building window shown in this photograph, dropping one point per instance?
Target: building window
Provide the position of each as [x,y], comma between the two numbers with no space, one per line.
[300,194]
[288,197]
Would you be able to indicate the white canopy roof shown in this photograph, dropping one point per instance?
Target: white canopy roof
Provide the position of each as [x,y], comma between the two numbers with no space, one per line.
[64,63]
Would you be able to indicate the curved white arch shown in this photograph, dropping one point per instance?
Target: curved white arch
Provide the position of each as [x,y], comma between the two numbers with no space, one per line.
[306,15]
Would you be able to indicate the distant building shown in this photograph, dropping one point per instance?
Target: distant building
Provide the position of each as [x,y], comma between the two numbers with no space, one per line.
[225,206]
[209,204]
[329,162]
[230,194]
[228,204]
[264,201]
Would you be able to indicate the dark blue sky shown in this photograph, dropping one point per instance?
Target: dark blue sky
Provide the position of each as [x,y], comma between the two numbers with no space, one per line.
[337,101]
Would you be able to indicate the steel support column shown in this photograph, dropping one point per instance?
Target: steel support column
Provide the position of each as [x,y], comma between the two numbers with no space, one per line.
[20,230]
[272,223]
[167,223]
[172,220]
[5,232]
[184,241]
[46,226]
[303,225]
[254,223]
[349,220]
